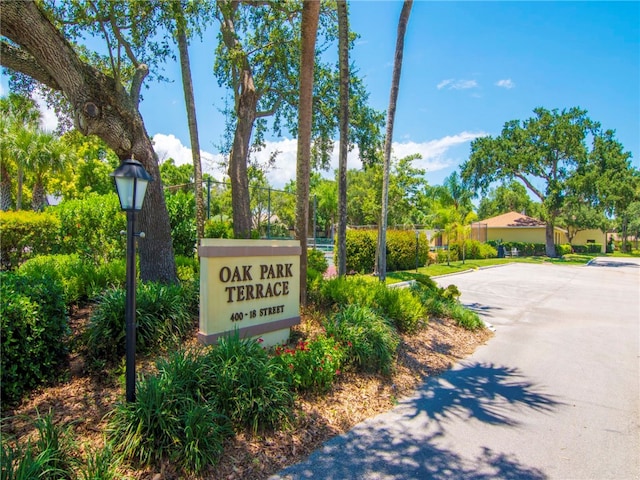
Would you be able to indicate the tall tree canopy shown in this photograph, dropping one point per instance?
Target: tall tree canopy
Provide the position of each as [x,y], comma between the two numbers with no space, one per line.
[103,92]
[549,154]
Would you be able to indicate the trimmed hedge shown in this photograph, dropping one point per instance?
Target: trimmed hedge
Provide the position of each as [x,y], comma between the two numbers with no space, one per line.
[24,235]
[35,327]
[401,250]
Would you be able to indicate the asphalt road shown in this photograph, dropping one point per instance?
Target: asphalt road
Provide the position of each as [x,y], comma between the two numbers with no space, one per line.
[554,394]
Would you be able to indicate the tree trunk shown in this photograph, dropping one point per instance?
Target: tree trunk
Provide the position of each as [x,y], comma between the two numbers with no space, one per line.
[309,29]
[393,97]
[189,100]
[19,188]
[101,107]
[343,53]
[38,197]
[240,197]
[5,189]
[550,246]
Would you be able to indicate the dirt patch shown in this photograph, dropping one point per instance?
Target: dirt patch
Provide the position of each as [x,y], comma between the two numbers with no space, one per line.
[83,402]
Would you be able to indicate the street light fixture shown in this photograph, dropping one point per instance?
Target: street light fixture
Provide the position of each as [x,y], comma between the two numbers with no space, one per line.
[131,181]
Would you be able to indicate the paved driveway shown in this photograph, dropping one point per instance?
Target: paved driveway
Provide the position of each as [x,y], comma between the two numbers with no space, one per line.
[555,394]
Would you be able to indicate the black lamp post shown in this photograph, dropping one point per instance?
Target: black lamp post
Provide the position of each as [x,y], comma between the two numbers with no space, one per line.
[131,183]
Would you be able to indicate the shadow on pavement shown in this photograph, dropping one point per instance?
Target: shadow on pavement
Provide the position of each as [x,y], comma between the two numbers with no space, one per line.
[403,443]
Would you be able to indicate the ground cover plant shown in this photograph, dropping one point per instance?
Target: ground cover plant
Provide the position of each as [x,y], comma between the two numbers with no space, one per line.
[196,404]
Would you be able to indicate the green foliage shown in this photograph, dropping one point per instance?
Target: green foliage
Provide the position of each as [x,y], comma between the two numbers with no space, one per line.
[91,227]
[361,250]
[311,366]
[182,218]
[525,249]
[372,341]
[474,250]
[215,228]
[49,457]
[25,235]
[188,268]
[317,261]
[246,385]
[399,305]
[166,423]
[99,464]
[34,332]
[402,247]
[164,313]
[563,249]
[81,280]
[443,302]
[588,248]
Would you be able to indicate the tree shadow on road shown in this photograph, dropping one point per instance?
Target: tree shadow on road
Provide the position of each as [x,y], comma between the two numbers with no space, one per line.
[405,443]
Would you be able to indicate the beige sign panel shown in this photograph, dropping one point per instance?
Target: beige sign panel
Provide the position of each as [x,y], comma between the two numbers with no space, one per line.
[252,286]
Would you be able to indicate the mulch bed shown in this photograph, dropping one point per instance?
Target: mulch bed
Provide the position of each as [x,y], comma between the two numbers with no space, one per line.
[83,402]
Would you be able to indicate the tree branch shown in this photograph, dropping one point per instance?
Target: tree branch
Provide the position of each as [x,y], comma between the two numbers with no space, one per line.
[272,110]
[20,61]
[529,185]
[136,83]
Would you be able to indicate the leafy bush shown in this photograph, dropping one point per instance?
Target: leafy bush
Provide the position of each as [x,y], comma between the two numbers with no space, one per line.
[474,249]
[372,341]
[165,422]
[35,327]
[588,248]
[401,250]
[182,218]
[317,261]
[396,304]
[80,279]
[25,235]
[246,385]
[525,249]
[188,268]
[91,227]
[443,302]
[564,249]
[311,365]
[215,228]
[163,314]
[361,250]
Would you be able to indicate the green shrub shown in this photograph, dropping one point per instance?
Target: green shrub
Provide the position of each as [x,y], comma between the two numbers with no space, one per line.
[443,302]
[311,366]
[588,248]
[35,328]
[166,423]
[564,249]
[182,218]
[474,249]
[361,250]
[401,250]
[216,228]
[164,313]
[317,261]
[25,235]
[399,305]
[525,249]
[188,268]
[91,227]
[49,457]
[246,385]
[372,342]
[444,255]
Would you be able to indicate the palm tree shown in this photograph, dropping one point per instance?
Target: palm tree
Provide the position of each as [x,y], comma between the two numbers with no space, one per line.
[393,97]
[47,155]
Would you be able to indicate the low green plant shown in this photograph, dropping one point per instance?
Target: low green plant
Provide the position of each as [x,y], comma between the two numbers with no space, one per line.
[35,330]
[215,228]
[164,314]
[372,341]
[24,235]
[246,385]
[564,249]
[50,456]
[188,268]
[99,464]
[443,302]
[317,261]
[166,423]
[311,365]
[181,207]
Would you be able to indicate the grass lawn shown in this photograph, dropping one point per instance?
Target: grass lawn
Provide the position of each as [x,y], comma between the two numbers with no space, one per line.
[459,266]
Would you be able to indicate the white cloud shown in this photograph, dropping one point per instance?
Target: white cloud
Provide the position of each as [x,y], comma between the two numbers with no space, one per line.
[505,83]
[453,84]
[436,155]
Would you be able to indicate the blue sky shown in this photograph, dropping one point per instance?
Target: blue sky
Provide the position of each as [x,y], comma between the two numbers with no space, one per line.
[468,68]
